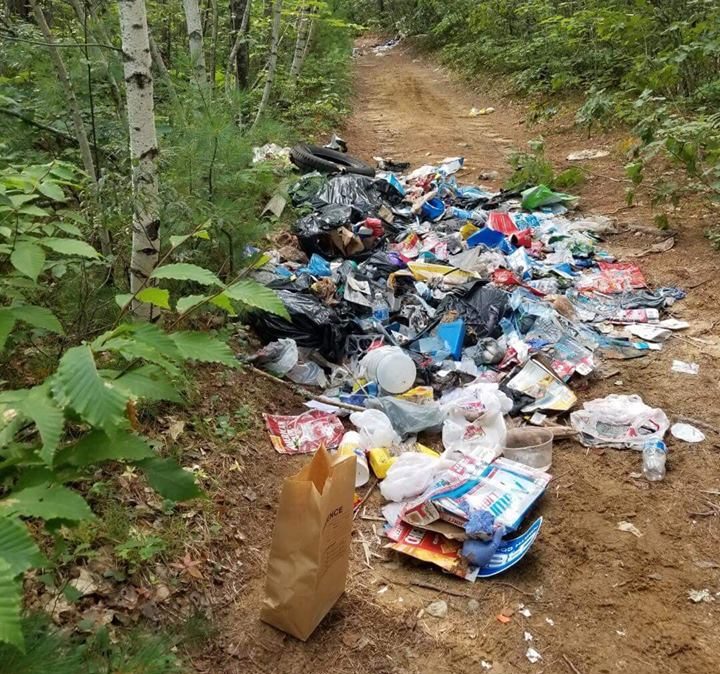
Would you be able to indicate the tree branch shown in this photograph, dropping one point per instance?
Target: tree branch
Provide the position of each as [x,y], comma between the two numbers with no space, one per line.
[66,45]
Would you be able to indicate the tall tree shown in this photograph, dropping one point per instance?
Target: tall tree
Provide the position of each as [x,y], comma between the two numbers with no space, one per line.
[78,124]
[303,33]
[272,61]
[195,38]
[239,59]
[143,147]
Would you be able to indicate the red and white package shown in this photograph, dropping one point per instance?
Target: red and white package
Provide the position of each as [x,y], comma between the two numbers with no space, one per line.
[432,547]
[305,433]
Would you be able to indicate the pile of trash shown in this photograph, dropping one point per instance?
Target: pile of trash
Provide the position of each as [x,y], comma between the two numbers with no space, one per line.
[464,314]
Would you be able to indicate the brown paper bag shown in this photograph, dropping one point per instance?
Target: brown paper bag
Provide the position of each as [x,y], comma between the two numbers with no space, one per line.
[310,551]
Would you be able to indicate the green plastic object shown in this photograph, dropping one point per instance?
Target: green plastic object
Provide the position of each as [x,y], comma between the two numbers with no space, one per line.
[542,195]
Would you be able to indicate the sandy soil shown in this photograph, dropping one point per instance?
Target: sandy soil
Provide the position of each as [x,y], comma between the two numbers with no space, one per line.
[601,600]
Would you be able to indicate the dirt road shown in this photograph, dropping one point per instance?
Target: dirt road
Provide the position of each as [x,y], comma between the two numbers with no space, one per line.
[599,599]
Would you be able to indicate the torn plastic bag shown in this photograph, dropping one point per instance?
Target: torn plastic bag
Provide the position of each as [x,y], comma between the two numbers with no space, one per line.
[475,423]
[309,374]
[311,324]
[311,229]
[411,474]
[409,418]
[542,195]
[619,421]
[278,357]
[375,429]
[381,264]
[351,190]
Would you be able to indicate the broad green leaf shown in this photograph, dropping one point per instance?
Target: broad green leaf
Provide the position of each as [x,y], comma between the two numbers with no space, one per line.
[156,337]
[69,214]
[122,299]
[183,271]
[254,294]
[148,382]
[158,297]
[202,234]
[10,607]
[19,200]
[48,418]
[170,479]
[132,349]
[35,211]
[78,385]
[52,190]
[222,301]
[28,259]
[69,228]
[63,171]
[71,247]
[48,502]
[17,548]
[38,317]
[97,447]
[6,232]
[204,348]
[176,241]
[186,303]
[7,323]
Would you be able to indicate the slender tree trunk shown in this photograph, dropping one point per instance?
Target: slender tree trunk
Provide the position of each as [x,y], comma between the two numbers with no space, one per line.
[78,124]
[214,19]
[272,63]
[239,54]
[160,66]
[195,38]
[143,147]
[310,34]
[303,32]
[100,36]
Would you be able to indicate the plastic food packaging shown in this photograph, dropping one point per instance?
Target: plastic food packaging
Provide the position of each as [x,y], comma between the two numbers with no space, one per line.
[350,444]
[380,461]
[622,421]
[530,446]
[391,368]
[375,429]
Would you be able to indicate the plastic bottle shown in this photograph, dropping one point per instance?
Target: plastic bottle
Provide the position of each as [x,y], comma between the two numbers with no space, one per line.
[380,309]
[654,456]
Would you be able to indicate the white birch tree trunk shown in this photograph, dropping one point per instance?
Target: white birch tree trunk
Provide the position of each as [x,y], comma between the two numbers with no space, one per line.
[78,124]
[195,38]
[303,33]
[143,147]
[272,63]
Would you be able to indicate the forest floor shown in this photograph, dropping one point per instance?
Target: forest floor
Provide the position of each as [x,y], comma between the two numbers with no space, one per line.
[599,599]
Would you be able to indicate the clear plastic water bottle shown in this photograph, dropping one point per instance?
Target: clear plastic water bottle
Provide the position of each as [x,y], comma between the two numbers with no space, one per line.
[380,309]
[654,456]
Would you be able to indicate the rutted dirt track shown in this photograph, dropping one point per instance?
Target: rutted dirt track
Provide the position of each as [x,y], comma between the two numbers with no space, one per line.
[601,600]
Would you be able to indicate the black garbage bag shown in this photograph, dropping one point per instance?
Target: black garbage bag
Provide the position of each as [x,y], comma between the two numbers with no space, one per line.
[312,230]
[311,324]
[482,308]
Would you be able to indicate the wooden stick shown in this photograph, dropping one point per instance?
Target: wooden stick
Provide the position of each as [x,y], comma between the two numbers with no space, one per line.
[366,497]
[309,395]
[570,664]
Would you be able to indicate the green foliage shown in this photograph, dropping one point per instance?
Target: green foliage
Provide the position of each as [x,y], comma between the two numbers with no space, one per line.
[49,650]
[533,168]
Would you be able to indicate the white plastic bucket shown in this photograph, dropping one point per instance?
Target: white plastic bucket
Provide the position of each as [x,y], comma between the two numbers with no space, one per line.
[391,368]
